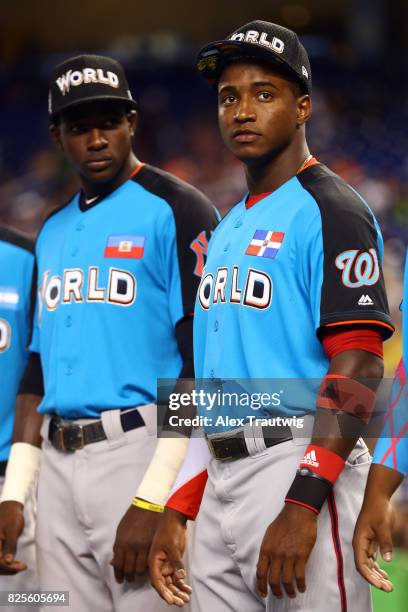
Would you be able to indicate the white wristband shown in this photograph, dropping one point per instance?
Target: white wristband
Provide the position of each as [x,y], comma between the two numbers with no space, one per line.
[23,466]
[163,470]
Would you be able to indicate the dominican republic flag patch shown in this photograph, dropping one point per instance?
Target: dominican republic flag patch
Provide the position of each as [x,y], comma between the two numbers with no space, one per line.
[265,243]
[126,247]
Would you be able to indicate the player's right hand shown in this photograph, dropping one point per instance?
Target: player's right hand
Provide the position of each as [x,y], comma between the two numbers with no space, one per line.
[374,530]
[167,571]
[134,536]
[11,527]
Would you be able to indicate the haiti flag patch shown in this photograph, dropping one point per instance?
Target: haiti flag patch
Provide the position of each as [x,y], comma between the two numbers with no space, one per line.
[126,247]
[265,243]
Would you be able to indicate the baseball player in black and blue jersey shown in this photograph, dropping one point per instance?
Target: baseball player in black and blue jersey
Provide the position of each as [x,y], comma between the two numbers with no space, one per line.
[16,269]
[292,291]
[374,527]
[118,271]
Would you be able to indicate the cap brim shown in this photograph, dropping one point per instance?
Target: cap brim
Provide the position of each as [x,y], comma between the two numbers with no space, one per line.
[213,57]
[102,98]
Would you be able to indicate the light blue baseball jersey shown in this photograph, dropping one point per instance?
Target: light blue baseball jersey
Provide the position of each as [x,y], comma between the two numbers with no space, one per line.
[114,279]
[302,258]
[392,446]
[16,268]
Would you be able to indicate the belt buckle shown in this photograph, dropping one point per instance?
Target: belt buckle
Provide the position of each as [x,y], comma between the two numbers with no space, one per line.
[212,444]
[71,438]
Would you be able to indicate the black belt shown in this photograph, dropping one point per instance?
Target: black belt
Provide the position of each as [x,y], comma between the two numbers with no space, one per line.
[3,465]
[230,447]
[72,437]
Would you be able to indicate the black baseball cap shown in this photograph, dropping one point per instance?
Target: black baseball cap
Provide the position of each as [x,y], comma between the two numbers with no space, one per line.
[261,40]
[86,78]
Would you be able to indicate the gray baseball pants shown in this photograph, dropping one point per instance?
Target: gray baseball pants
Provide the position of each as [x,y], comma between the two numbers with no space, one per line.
[82,496]
[241,499]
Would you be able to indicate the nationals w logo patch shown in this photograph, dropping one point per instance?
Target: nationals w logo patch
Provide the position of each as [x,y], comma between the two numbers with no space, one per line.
[359,268]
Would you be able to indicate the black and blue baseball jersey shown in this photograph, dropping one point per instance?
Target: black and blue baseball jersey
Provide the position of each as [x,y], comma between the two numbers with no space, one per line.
[16,269]
[115,276]
[304,257]
[392,445]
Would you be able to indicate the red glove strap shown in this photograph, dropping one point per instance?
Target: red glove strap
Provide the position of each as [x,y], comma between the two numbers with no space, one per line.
[322,461]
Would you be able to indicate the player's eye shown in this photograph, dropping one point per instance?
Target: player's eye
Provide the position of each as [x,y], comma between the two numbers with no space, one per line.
[77,129]
[227,100]
[108,124]
[265,96]
[112,122]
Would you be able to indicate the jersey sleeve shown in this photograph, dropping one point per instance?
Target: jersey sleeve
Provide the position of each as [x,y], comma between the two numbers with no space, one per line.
[34,313]
[404,308]
[344,252]
[188,232]
[392,445]
[188,489]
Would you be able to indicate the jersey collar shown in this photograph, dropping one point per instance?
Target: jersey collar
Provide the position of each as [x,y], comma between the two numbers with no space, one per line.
[251,200]
[87,203]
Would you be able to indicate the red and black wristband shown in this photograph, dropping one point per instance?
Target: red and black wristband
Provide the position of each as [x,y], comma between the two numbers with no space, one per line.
[318,471]
[309,490]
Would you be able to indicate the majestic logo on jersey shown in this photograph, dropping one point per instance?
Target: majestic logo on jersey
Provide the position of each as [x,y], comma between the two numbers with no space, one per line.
[126,247]
[70,288]
[200,247]
[86,75]
[265,243]
[359,268]
[257,291]
[5,335]
[9,298]
[365,300]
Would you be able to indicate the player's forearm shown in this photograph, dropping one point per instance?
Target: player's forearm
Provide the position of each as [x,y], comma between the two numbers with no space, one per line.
[28,421]
[382,482]
[25,456]
[338,431]
[344,405]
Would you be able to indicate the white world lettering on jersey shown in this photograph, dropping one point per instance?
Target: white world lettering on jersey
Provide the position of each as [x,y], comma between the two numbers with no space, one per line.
[5,335]
[95,293]
[257,292]
[71,288]
[122,287]
[72,285]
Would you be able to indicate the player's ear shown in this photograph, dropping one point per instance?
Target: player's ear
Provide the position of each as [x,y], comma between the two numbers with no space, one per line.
[304,110]
[132,118]
[55,132]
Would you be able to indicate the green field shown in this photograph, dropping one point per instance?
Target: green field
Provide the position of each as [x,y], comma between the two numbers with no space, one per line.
[398,573]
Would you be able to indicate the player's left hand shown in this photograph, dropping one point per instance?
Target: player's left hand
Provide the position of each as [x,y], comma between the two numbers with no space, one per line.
[374,531]
[134,537]
[285,549]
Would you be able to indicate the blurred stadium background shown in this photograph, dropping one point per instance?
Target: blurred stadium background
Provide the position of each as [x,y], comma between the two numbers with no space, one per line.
[358,50]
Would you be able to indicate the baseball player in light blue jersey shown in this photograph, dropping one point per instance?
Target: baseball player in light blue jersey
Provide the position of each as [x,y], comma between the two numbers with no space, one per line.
[390,466]
[292,289]
[118,271]
[16,269]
